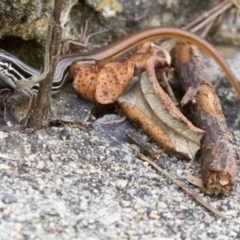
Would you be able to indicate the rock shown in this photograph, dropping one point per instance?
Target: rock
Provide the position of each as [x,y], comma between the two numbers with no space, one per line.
[9,198]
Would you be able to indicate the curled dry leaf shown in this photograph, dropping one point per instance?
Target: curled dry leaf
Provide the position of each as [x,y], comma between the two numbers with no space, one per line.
[143,53]
[85,82]
[146,103]
[105,84]
[112,80]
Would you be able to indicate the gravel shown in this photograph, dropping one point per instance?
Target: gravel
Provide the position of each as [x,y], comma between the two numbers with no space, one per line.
[83,188]
[77,181]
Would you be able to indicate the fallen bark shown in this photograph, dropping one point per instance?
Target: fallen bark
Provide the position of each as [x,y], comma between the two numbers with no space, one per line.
[218,158]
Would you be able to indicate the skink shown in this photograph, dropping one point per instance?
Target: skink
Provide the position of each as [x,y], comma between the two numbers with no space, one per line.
[12,69]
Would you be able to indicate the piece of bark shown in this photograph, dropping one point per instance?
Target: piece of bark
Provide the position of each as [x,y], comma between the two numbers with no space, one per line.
[218,158]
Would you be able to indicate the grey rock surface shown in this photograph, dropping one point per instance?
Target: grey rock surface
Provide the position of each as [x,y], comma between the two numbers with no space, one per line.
[83,180]
[76,181]
[81,187]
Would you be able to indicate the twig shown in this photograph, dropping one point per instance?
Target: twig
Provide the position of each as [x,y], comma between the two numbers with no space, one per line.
[183,187]
[207,14]
[146,147]
[212,17]
[165,79]
[207,29]
[32,81]
[208,18]
[41,112]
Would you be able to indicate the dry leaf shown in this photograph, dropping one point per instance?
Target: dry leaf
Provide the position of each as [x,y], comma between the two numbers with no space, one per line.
[159,117]
[85,82]
[143,53]
[112,80]
[105,84]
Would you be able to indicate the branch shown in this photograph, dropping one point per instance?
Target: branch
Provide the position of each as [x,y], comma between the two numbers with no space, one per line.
[42,108]
[218,158]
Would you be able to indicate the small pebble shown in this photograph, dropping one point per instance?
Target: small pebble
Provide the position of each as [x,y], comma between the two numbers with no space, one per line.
[154,215]
[121,183]
[161,205]
[9,198]
[3,135]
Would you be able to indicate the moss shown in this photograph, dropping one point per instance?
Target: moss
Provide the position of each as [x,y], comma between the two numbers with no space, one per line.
[13,12]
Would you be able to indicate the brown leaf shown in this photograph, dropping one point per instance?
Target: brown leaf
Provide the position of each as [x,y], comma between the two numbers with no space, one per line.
[159,117]
[149,126]
[112,79]
[144,52]
[85,83]
[105,84]
[164,98]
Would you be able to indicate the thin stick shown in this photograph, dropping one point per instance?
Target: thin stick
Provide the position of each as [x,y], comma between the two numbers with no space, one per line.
[211,17]
[207,29]
[168,88]
[208,17]
[206,14]
[183,187]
